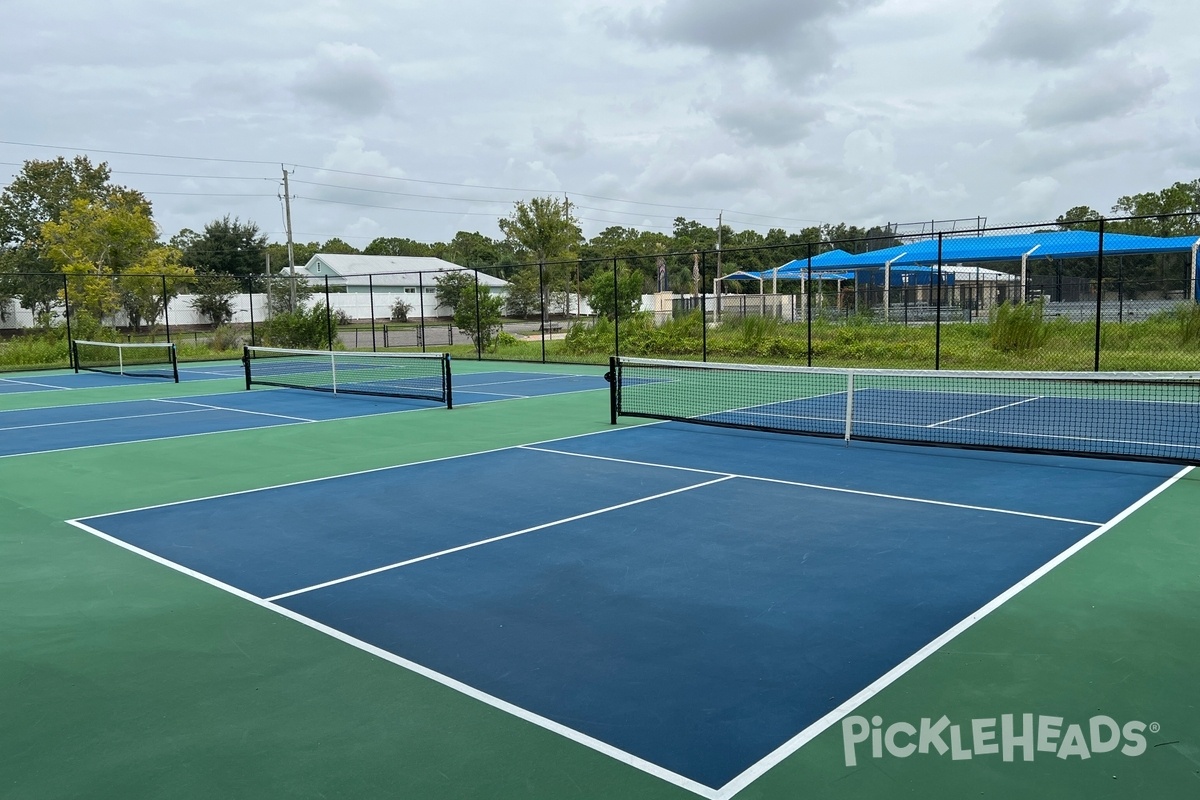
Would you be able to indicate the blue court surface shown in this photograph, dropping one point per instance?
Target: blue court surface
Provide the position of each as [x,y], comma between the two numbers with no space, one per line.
[693,601]
[51,428]
[66,381]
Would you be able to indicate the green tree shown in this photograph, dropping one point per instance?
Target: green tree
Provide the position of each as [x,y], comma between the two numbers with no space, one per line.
[213,297]
[339,247]
[624,301]
[1080,218]
[43,191]
[544,230]
[453,288]
[39,194]
[470,249]
[1173,211]
[395,246]
[227,246]
[479,318]
[523,292]
[91,242]
[147,287]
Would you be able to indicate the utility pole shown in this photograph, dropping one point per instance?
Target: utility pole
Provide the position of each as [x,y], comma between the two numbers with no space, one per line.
[287,214]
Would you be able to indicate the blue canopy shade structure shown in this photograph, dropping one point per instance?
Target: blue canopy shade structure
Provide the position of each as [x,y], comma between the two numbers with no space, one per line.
[1012,247]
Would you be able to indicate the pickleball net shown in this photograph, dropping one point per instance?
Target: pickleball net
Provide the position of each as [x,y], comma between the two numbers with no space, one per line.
[1133,416]
[136,359]
[421,376]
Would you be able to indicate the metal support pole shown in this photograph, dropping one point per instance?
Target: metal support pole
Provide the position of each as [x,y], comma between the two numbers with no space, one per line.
[67,313]
[328,314]
[545,313]
[478,322]
[937,327]
[371,295]
[250,288]
[616,313]
[1099,289]
[166,309]
[703,307]
[808,302]
[421,308]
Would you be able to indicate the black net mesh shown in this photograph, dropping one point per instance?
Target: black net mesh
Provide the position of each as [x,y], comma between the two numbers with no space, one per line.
[424,376]
[1140,416]
[139,360]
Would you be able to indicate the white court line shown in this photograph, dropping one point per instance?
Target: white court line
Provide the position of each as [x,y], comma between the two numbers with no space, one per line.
[470,691]
[492,539]
[99,419]
[891,676]
[227,408]
[985,411]
[824,488]
[32,383]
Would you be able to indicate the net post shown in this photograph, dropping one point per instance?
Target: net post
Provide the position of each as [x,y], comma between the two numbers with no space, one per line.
[74,355]
[447,382]
[849,404]
[246,364]
[333,371]
[174,362]
[614,397]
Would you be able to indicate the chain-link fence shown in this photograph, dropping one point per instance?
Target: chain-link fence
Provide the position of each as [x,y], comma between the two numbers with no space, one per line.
[1092,295]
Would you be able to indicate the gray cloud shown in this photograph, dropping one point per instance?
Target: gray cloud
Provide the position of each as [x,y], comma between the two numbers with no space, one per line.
[346,77]
[795,38]
[766,120]
[1112,90]
[1058,33]
[571,140]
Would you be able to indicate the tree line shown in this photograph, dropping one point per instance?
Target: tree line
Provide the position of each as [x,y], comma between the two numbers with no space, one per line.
[65,217]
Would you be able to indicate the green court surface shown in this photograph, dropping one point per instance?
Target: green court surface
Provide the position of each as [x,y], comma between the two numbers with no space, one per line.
[122,678]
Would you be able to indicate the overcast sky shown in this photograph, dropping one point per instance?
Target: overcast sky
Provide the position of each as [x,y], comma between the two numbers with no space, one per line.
[420,119]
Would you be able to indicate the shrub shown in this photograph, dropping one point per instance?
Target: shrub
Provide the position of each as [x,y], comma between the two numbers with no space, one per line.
[302,329]
[1017,328]
[1189,323]
[400,311]
[225,338]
